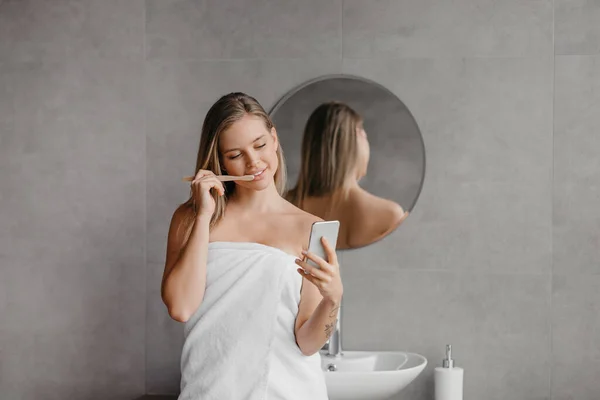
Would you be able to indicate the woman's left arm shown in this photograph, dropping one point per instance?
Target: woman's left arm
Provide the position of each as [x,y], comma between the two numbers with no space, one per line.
[313,332]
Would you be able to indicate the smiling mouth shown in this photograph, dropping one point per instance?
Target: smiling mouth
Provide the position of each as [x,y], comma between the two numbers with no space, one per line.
[259,173]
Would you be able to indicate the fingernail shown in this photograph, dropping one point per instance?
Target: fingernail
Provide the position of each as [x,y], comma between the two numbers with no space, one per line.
[304,252]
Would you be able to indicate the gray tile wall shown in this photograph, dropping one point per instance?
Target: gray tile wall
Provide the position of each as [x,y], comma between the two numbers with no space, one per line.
[101,104]
[72,200]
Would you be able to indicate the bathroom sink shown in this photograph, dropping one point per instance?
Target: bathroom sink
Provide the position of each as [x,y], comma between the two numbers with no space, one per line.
[369,375]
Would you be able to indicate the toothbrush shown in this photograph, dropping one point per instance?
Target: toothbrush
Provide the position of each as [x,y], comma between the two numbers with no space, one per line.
[225,178]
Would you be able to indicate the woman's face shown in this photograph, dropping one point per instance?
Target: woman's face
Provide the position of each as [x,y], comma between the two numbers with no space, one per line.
[249,148]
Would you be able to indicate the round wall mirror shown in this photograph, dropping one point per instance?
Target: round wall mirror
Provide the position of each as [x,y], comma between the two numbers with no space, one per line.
[354,153]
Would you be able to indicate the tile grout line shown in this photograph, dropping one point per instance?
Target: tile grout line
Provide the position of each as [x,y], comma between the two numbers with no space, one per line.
[342,32]
[551,316]
[145,386]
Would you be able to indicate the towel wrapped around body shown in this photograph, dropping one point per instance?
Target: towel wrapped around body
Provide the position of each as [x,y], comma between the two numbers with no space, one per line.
[240,343]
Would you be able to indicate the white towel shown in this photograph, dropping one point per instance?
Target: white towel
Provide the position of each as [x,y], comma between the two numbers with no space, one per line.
[230,341]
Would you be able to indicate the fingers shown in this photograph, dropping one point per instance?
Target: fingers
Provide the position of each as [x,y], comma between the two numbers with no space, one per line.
[330,251]
[203,172]
[204,175]
[218,186]
[315,281]
[210,183]
[322,275]
[322,264]
[319,282]
[208,180]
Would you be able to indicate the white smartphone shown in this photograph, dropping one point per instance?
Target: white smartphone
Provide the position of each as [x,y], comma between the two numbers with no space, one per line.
[328,229]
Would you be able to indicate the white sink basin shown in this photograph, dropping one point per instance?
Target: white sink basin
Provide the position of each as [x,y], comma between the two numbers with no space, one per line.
[370,375]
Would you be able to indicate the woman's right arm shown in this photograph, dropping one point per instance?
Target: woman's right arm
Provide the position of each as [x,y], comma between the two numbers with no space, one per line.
[184,278]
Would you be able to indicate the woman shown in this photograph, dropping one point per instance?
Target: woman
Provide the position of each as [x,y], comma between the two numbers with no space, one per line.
[335,155]
[253,328]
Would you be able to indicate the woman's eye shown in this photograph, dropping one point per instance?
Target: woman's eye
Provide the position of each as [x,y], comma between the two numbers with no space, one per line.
[234,157]
[261,146]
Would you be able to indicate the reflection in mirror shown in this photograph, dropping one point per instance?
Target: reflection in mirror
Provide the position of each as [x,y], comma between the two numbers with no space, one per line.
[354,154]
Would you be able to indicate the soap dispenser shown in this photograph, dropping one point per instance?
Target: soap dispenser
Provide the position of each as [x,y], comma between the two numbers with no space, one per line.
[448,379]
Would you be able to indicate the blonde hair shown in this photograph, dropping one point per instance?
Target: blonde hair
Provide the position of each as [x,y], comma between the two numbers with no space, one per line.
[329,153]
[221,116]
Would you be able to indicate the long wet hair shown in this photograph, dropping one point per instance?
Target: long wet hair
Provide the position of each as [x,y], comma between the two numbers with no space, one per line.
[224,113]
[329,153]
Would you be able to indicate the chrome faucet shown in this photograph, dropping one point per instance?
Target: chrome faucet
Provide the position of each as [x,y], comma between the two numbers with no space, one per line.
[334,344]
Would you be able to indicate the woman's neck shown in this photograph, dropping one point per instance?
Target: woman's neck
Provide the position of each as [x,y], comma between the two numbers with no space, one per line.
[351,182]
[256,201]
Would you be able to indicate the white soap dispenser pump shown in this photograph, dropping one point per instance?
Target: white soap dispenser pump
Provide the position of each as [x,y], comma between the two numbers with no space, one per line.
[448,379]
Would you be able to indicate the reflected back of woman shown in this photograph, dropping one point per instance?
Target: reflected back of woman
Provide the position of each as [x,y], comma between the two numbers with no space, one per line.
[334,157]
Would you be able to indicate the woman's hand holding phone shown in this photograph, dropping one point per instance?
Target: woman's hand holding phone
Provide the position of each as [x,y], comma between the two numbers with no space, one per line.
[327,276]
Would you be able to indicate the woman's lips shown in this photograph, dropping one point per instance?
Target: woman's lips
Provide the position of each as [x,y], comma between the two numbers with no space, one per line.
[259,175]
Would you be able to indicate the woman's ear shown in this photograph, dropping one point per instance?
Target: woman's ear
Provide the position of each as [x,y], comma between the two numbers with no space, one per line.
[275,139]
[360,131]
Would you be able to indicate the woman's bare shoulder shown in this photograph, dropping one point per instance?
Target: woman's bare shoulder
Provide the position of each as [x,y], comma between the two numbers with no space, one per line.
[180,223]
[182,213]
[300,216]
[373,217]
[301,221]
[182,216]
[365,201]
